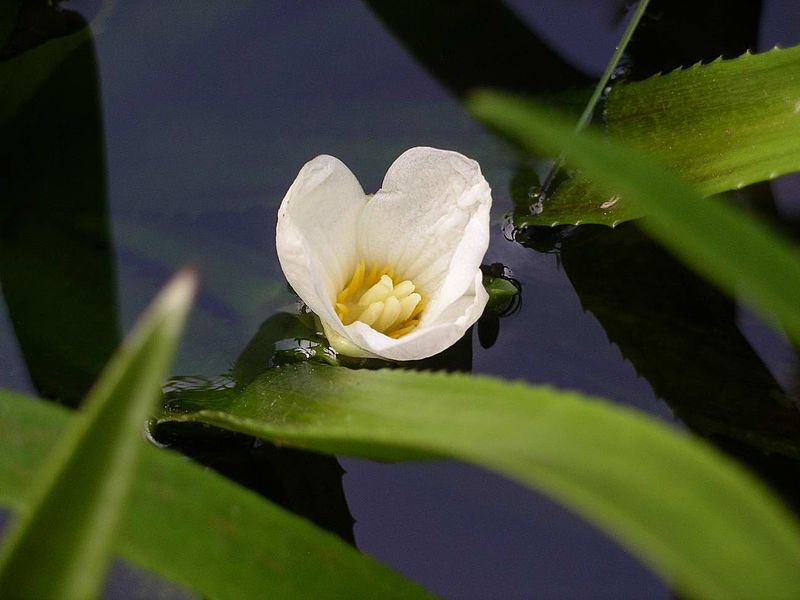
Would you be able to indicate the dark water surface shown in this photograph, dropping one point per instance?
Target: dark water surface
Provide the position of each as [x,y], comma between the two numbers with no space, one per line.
[209,110]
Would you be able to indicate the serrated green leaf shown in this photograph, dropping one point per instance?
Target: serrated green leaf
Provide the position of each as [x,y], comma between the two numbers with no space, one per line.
[720,126]
[721,242]
[200,530]
[60,546]
[686,510]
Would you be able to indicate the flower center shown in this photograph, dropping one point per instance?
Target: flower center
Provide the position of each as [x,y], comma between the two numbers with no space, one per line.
[375,299]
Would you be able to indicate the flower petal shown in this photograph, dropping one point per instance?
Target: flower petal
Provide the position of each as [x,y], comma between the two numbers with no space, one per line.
[317,231]
[425,340]
[430,223]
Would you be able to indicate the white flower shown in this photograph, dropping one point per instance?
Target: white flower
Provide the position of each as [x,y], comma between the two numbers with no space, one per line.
[394,275]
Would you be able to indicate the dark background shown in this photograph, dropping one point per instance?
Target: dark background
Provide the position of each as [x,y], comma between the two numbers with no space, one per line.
[206,111]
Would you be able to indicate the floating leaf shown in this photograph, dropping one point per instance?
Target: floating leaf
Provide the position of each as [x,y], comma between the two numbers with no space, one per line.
[721,126]
[684,508]
[721,242]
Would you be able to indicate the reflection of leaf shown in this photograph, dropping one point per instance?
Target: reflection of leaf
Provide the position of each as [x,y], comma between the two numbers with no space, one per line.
[234,266]
[56,264]
[61,545]
[306,483]
[199,530]
[681,335]
[678,504]
[720,126]
[309,484]
[8,14]
[22,77]
[444,36]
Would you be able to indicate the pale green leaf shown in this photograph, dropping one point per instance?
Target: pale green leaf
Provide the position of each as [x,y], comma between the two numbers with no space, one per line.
[60,546]
[198,529]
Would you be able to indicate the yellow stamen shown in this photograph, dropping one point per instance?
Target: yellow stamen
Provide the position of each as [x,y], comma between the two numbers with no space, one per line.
[417,309]
[372,297]
[341,310]
[391,310]
[373,276]
[355,282]
[408,305]
[403,289]
[378,292]
[403,330]
[372,312]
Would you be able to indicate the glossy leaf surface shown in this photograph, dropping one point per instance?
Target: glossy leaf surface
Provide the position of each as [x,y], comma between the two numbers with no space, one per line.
[736,251]
[685,509]
[720,126]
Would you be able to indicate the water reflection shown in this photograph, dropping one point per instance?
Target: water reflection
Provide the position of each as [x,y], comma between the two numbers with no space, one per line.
[56,266]
[681,334]
[515,59]
[214,150]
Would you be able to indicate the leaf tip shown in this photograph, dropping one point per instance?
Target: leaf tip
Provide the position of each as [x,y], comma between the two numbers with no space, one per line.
[177,295]
[479,98]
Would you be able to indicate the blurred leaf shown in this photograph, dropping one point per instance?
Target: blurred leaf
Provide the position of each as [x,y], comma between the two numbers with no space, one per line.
[8,15]
[56,262]
[22,77]
[734,250]
[459,62]
[198,529]
[685,509]
[721,126]
[666,320]
[61,545]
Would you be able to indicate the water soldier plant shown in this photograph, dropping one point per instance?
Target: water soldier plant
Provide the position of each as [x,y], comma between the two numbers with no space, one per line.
[397,277]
